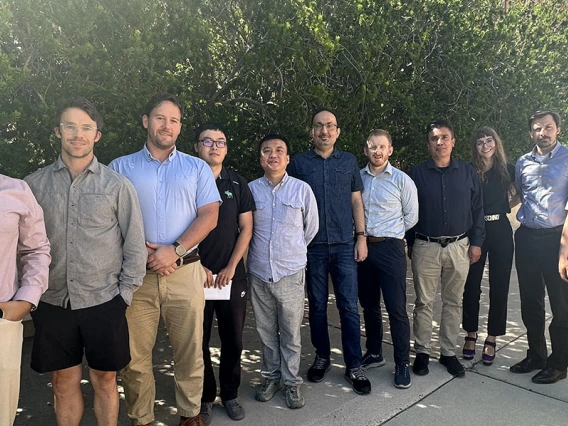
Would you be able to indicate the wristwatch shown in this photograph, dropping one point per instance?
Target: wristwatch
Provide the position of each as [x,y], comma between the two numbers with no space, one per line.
[180,250]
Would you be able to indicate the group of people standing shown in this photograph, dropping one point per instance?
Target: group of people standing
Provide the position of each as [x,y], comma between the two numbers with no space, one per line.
[139,240]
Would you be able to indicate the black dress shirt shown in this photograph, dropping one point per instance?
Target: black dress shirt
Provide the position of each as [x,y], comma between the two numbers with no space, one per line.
[450,202]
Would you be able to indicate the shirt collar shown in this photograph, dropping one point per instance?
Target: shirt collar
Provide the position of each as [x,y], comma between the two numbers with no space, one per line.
[224,174]
[387,169]
[149,156]
[94,167]
[431,165]
[336,153]
[550,154]
[282,182]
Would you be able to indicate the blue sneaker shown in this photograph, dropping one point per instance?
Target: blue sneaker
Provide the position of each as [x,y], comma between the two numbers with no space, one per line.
[371,361]
[402,378]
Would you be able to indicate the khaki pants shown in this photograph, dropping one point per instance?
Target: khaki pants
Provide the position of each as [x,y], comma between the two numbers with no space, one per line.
[433,264]
[11,335]
[180,301]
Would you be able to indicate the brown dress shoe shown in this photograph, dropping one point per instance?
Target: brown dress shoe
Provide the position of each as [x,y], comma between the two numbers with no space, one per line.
[191,421]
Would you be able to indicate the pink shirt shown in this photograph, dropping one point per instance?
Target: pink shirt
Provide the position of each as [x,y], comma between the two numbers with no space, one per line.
[22,232]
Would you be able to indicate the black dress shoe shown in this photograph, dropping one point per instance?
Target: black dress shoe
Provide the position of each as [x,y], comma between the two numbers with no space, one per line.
[527,365]
[453,366]
[420,366]
[549,375]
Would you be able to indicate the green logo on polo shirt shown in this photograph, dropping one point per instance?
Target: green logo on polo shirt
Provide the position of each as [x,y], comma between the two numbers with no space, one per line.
[229,194]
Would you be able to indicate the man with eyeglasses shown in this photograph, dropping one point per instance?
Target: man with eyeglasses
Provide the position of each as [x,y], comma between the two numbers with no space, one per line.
[334,177]
[180,205]
[222,254]
[445,241]
[94,224]
[541,176]
[391,209]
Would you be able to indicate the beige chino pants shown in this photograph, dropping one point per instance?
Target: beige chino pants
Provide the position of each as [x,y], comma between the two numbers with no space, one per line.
[179,299]
[11,336]
[432,265]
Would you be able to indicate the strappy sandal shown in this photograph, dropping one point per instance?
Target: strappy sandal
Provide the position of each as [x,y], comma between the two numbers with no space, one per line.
[488,359]
[469,353]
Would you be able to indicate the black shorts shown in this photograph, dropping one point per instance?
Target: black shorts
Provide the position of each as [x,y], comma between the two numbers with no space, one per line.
[62,335]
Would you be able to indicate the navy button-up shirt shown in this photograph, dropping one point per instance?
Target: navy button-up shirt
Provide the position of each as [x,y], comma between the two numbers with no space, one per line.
[451,201]
[332,180]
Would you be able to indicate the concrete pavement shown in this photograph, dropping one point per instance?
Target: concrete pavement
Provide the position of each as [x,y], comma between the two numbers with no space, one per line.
[487,395]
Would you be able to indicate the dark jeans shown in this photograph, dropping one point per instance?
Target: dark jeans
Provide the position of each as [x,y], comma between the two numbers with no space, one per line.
[230,320]
[537,265]
[337,260]
[498,246]
[385,271]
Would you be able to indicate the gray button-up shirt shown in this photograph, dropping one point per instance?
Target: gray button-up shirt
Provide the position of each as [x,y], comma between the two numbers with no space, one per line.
[391,202]
[285,222]
[543,182]
[96,232]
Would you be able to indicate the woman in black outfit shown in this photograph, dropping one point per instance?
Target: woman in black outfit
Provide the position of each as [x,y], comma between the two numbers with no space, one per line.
[499,195]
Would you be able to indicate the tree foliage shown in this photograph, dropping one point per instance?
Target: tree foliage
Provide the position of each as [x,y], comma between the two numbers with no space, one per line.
[257,66]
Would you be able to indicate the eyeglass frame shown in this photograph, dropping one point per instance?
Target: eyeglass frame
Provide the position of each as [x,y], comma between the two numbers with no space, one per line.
[211,142]
[72,128]
[328,126]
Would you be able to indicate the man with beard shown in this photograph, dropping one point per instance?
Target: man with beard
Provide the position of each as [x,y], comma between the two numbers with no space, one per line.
[335,180]
[180,205]
[94,224]
[391,209]
[541,176]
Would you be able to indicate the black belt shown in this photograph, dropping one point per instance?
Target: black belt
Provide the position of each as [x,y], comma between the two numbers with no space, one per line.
[443,241]
[371,239]
[191,257]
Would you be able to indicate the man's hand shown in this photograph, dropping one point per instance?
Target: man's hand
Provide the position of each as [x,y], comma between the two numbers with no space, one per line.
[474,253]
[563,266]
[360,249]
[224,276]
[161,258]
[209,282]
[15,310]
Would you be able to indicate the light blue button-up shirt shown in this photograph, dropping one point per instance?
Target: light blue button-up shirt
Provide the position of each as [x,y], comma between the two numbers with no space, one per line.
[169,192]
[543,182]
[391,202]
[285,222]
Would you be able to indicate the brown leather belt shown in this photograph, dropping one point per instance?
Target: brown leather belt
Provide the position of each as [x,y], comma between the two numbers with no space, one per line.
[191,257]
[371,239]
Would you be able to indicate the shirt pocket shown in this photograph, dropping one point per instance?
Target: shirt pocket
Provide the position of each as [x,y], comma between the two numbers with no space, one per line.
[291,213]
[96,211]
[343,177]
[185,186]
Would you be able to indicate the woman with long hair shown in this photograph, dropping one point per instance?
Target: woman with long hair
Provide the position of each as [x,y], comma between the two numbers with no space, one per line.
[499,196]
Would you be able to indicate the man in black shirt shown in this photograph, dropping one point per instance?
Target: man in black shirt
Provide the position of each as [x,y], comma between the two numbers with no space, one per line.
[221,256]
[447,238]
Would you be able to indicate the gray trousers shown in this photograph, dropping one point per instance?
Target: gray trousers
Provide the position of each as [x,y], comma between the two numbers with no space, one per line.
[279,310]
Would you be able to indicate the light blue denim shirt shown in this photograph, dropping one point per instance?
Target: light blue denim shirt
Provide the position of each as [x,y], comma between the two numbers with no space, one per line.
[169,192]
[285,221]
[391,202]
[543,182]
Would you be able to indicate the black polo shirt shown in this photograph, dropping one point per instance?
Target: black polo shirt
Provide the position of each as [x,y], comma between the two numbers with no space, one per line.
[216,249]
[495,194]
[450,201]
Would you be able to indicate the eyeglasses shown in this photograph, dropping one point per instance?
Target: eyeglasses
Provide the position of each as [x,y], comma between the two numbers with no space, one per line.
[71,128]
[209,143]
[329,126]
[488,141]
